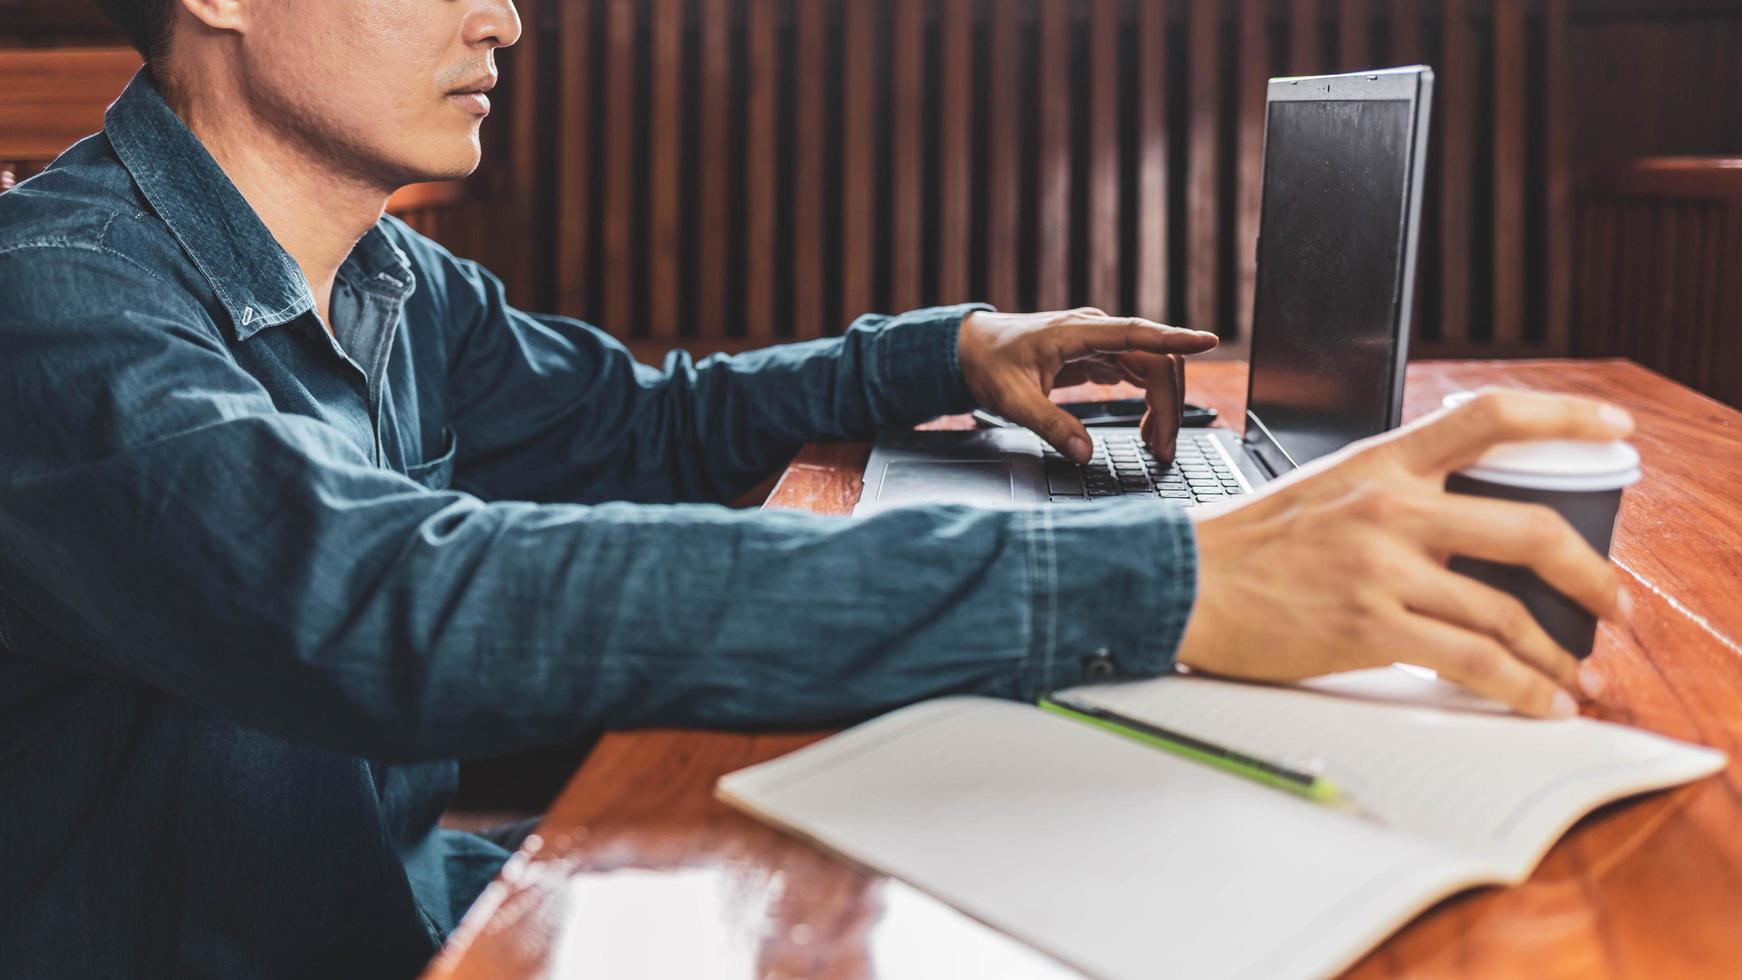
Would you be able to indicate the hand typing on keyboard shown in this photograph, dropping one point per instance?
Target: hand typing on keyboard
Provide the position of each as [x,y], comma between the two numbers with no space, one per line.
[1122,466]
[1011,362]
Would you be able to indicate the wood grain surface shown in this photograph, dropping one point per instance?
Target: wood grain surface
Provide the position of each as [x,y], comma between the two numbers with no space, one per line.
[638,872]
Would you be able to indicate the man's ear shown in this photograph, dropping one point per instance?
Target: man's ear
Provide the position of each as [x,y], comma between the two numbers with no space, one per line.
[218,15]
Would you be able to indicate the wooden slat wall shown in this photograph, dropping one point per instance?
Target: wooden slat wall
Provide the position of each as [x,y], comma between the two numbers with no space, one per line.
[1154,262]
[768,169]
[1054,151]
[1657,271]
[1204,158]
[1508,165]
[808,249]
[1005,135]
[756,170]
[761,171]
[956,177]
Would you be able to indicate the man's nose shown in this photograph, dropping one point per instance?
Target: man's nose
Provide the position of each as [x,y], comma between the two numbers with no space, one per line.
[494,23]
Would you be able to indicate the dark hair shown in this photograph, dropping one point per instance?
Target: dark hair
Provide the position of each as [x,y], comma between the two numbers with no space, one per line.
[145,22]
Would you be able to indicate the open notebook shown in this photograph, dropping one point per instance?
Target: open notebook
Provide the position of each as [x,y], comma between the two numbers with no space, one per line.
[1126,861]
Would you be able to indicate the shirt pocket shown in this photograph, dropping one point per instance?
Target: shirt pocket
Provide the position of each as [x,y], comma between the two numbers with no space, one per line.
[435,474]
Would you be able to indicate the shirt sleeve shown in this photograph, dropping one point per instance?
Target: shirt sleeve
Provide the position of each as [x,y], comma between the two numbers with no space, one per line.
[548,408]
[162,523]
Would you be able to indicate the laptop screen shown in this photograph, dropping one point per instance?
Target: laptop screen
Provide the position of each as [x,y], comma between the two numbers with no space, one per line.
[1331,290]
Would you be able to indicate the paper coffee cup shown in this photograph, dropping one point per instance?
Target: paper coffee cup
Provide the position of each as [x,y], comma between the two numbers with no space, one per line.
[1583,481]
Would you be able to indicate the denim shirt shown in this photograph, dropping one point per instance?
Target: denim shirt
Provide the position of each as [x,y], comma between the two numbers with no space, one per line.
[260,584]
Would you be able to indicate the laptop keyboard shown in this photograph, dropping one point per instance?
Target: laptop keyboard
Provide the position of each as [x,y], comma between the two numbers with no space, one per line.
[1123,466]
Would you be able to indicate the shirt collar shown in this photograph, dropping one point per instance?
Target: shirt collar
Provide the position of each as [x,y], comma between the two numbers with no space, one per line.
[255,279]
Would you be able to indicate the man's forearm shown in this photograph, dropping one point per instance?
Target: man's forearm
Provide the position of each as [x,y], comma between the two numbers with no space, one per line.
[550,409]
[396,623]
[742,417]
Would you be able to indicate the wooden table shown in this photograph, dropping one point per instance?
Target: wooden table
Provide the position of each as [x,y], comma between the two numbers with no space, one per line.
[638,872]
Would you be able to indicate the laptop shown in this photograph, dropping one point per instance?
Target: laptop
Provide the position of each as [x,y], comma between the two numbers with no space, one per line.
[1344,160]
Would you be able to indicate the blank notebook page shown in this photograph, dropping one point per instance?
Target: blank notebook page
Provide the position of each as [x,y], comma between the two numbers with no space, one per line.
[1110,855]
[1427,758]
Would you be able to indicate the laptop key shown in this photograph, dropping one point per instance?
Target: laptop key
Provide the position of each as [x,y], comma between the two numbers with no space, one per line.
[1063,478]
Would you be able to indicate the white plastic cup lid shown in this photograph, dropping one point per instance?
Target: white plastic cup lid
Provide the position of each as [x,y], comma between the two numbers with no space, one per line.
[1554,464]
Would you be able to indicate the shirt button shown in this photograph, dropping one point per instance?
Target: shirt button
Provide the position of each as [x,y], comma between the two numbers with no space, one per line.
[1098,666]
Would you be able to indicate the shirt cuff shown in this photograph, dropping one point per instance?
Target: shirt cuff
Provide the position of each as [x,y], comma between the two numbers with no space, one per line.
[915,368]
[1104,613]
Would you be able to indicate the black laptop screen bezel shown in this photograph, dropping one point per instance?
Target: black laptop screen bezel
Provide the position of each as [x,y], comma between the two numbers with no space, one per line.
[1413,85]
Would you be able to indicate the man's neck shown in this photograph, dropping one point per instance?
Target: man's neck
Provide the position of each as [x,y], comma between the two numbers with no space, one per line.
[316,212]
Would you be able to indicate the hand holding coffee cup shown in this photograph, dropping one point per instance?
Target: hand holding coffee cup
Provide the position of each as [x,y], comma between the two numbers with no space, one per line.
[1343,563]
[1581,481]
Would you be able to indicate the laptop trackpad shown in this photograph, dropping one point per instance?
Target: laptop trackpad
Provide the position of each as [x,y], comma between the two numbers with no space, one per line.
[959,481]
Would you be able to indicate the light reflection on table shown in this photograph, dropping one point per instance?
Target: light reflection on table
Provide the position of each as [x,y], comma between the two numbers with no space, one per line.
[919,937]
[709,917]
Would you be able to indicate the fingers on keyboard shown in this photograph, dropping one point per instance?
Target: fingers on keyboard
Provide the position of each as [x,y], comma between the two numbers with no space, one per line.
[1123,466]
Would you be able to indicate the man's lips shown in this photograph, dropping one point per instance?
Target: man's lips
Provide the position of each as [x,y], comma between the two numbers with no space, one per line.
[471,96]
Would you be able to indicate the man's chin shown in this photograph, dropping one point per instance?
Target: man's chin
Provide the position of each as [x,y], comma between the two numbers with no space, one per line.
[460,160]
[449,170]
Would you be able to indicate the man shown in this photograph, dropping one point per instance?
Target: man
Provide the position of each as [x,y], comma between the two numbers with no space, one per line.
[295,508]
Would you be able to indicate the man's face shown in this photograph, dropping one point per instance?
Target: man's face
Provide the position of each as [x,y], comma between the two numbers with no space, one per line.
[386,90]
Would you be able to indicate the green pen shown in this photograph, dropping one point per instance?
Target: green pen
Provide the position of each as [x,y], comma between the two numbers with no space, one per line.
[1308,785]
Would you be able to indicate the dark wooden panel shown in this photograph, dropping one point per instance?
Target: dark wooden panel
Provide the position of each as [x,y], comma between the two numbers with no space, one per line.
[810,315]
[1557,166]
[1153,210]
[1353,24]
[1656,267]
[704,300]
[761,167]
[1254,83]
[1204,165]
[1456,93]
[1052,274]
[55,23]
[522,68]
[1728,338]
[1010,117]
[666,175]
[577,156]
[1106,92]
[862,63]
[907,251]
[958,63]
[1509,164]
[1405,30]
[617,281]
[1655,79]
[1305,44]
